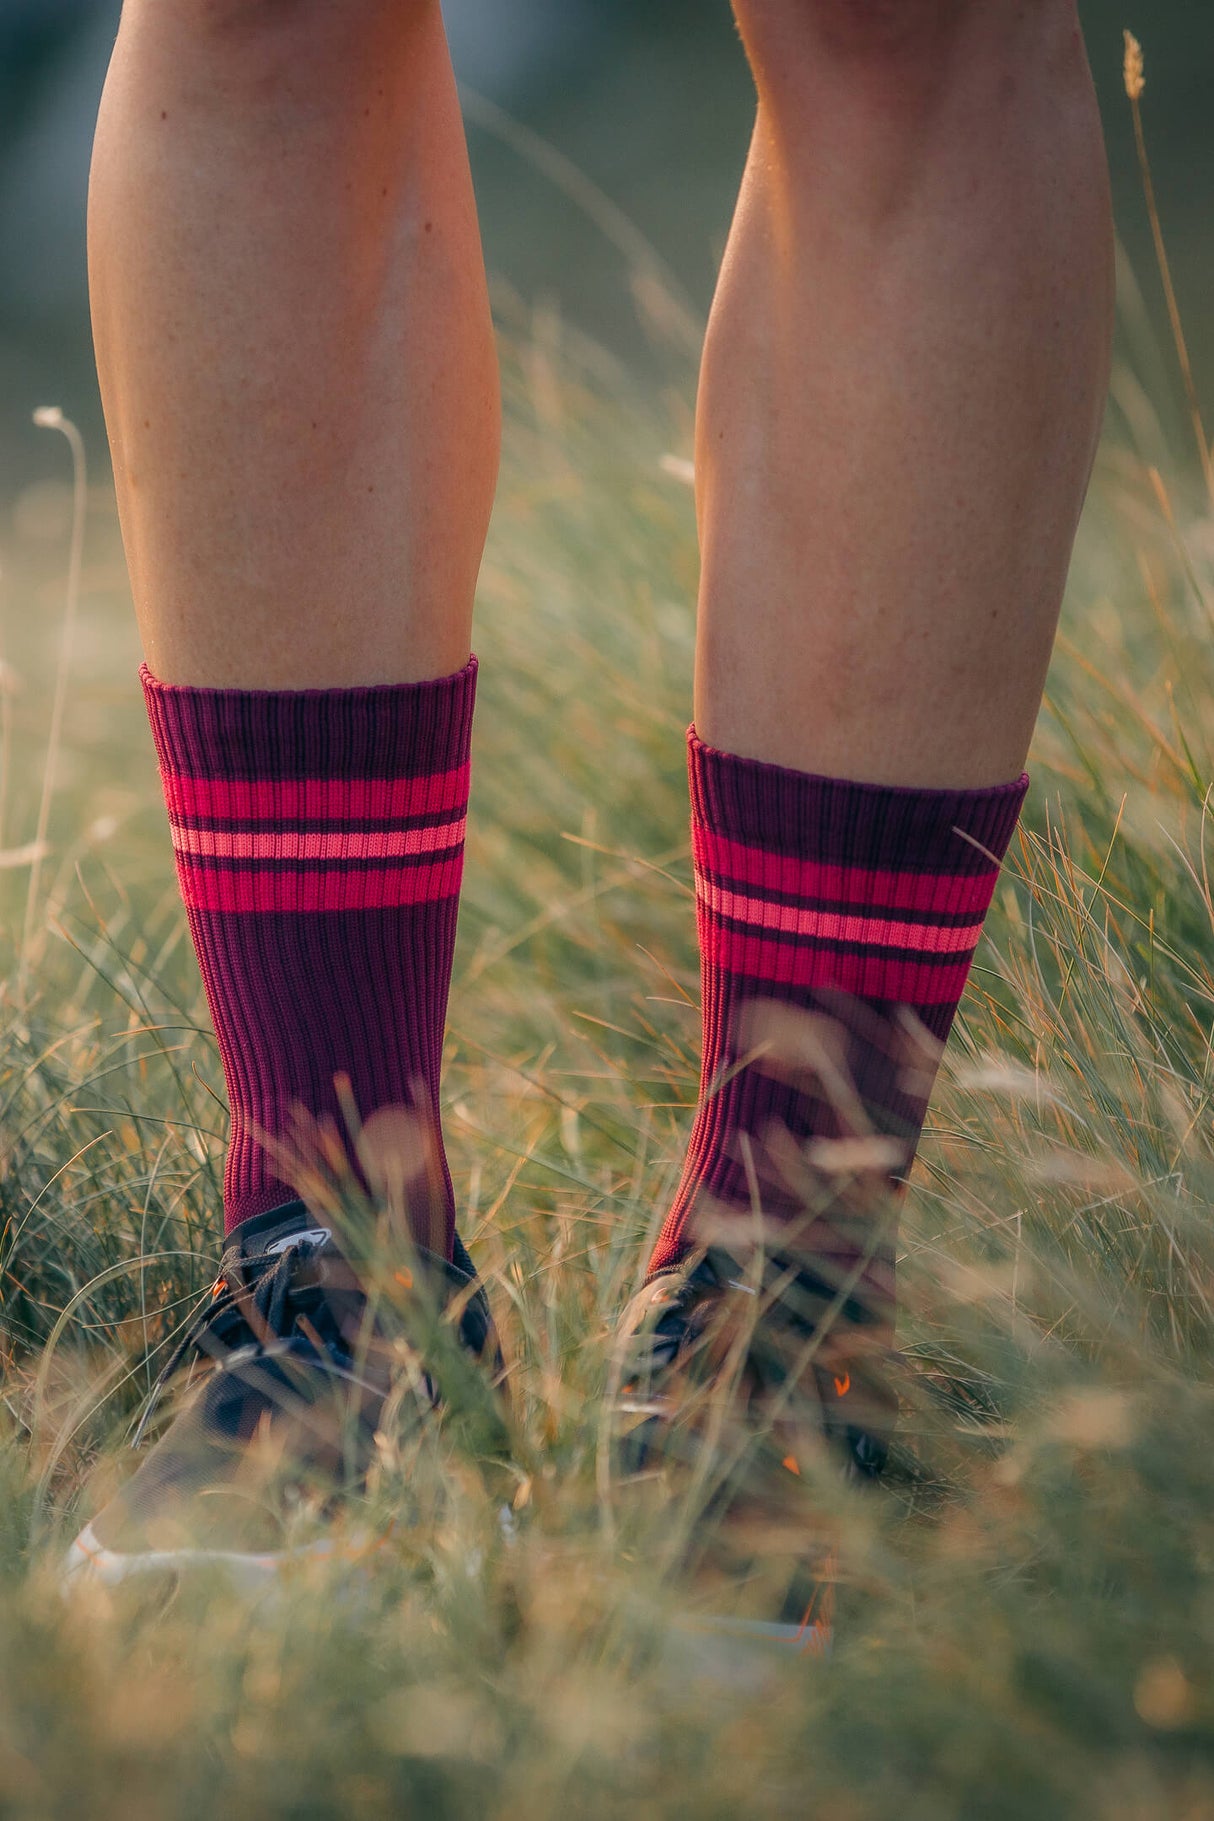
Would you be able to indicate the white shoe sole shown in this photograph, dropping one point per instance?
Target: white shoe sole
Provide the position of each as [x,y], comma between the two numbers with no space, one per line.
[89,1562]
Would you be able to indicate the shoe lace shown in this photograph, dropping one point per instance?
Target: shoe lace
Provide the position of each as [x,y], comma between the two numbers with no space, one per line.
[243,1310]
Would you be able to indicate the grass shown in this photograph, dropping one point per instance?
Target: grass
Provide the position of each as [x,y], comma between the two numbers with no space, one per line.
[1027,1615]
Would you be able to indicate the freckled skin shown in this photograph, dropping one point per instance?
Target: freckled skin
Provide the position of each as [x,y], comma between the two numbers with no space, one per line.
[306,503]
[902,386]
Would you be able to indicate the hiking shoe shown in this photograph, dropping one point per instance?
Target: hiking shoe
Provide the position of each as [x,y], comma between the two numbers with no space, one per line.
[276,1395]
[731,1385]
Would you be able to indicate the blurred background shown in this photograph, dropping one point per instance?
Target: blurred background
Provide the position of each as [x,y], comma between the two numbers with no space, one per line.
[650,106]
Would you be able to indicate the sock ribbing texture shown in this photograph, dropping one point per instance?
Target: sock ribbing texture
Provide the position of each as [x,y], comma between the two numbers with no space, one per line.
[319,840]
[837,924]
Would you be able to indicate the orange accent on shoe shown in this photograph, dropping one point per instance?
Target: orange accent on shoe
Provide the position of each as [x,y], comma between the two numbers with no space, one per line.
[817,1626]
[404,1279]
[790,1461]
[843,1385]
[358,1552]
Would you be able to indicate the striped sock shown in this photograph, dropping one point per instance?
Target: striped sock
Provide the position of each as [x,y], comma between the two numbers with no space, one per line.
[319,841]
[837,925]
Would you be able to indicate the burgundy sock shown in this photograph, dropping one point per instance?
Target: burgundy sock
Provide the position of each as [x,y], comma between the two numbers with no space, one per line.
[837,925]
[319,839]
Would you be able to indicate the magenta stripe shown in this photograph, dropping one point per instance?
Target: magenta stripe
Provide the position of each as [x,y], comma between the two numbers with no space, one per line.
[290,844]
[861,928]
[316,799]
[347,888]
[809,878]
[868,974]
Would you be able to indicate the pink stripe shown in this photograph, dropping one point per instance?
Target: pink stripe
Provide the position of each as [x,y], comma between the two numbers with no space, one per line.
[346,888]
[316,799]
[288,844]
[868,975]
[805,878]
[859,928]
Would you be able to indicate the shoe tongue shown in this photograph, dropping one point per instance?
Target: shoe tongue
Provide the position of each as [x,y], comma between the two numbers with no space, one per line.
[266,1236]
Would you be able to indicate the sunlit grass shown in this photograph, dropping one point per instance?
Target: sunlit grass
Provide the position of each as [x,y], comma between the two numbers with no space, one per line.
[1027,1617]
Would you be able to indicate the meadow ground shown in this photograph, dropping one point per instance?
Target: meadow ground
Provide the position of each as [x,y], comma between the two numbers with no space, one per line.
[1027,1605]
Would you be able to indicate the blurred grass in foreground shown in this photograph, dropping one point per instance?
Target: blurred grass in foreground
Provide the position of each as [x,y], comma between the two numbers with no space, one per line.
[1027,1620]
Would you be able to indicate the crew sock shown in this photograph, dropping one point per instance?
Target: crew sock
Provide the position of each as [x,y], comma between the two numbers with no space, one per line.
[837,924]
[319,842]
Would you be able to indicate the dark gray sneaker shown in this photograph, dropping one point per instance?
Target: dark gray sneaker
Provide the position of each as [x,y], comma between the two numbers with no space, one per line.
[731,1381]
[268,1409]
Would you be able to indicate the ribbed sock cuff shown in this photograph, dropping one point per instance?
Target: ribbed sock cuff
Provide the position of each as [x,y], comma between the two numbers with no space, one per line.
[801,814]
[811,883]
[393,730]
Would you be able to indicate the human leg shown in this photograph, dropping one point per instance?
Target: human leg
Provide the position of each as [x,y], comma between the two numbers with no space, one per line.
[297,364]
[901,393]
